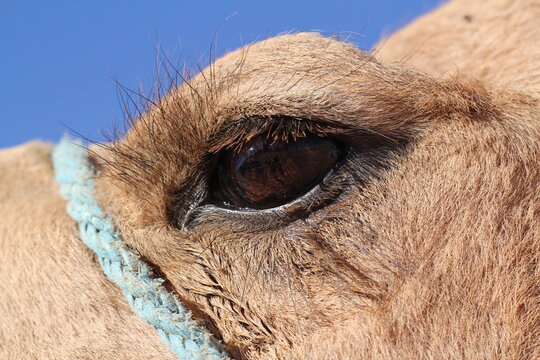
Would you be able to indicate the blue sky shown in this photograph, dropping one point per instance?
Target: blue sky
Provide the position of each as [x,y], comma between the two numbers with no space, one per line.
[60,59]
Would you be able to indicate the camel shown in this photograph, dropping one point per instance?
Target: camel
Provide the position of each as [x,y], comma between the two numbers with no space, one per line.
[307,200]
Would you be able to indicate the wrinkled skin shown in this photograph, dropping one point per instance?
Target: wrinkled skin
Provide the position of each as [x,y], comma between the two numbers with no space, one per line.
[424,245]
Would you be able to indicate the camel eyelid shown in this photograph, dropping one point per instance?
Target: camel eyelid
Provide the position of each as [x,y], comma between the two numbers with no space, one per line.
[366,157]
[235,132]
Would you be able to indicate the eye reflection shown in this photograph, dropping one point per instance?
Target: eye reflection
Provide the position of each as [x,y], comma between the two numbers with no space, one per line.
[266,172]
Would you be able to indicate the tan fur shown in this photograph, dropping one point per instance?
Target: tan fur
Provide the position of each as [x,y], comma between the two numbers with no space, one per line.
[436,256]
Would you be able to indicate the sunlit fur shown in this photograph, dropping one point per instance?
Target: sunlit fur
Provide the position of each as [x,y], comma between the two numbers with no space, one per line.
[425,247]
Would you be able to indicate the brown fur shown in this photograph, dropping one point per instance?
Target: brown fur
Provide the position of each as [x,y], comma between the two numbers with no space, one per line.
[425,247]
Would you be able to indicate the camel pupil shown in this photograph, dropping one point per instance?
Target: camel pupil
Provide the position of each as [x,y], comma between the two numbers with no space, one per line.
[266,173]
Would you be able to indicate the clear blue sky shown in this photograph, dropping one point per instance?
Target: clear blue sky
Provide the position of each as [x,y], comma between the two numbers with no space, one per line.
[59,58]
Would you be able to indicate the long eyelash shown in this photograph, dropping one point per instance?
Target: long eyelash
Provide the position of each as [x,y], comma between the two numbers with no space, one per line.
[235,133]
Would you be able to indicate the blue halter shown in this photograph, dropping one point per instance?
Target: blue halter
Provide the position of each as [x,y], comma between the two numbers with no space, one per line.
[123,265]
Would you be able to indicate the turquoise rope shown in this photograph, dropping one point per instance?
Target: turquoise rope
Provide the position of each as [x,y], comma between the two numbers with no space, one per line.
[123,265]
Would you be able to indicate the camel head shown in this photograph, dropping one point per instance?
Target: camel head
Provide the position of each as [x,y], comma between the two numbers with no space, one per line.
[307,201]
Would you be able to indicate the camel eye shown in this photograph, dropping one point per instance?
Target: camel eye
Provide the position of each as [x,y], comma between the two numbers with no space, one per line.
[265,173]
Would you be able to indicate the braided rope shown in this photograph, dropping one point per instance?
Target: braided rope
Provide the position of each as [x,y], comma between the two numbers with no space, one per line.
[123,265]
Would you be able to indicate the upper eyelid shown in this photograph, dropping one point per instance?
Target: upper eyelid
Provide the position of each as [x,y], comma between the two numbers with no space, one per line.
[234,132]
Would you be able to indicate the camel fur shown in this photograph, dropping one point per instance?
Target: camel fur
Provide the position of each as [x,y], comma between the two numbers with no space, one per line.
[425,245]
